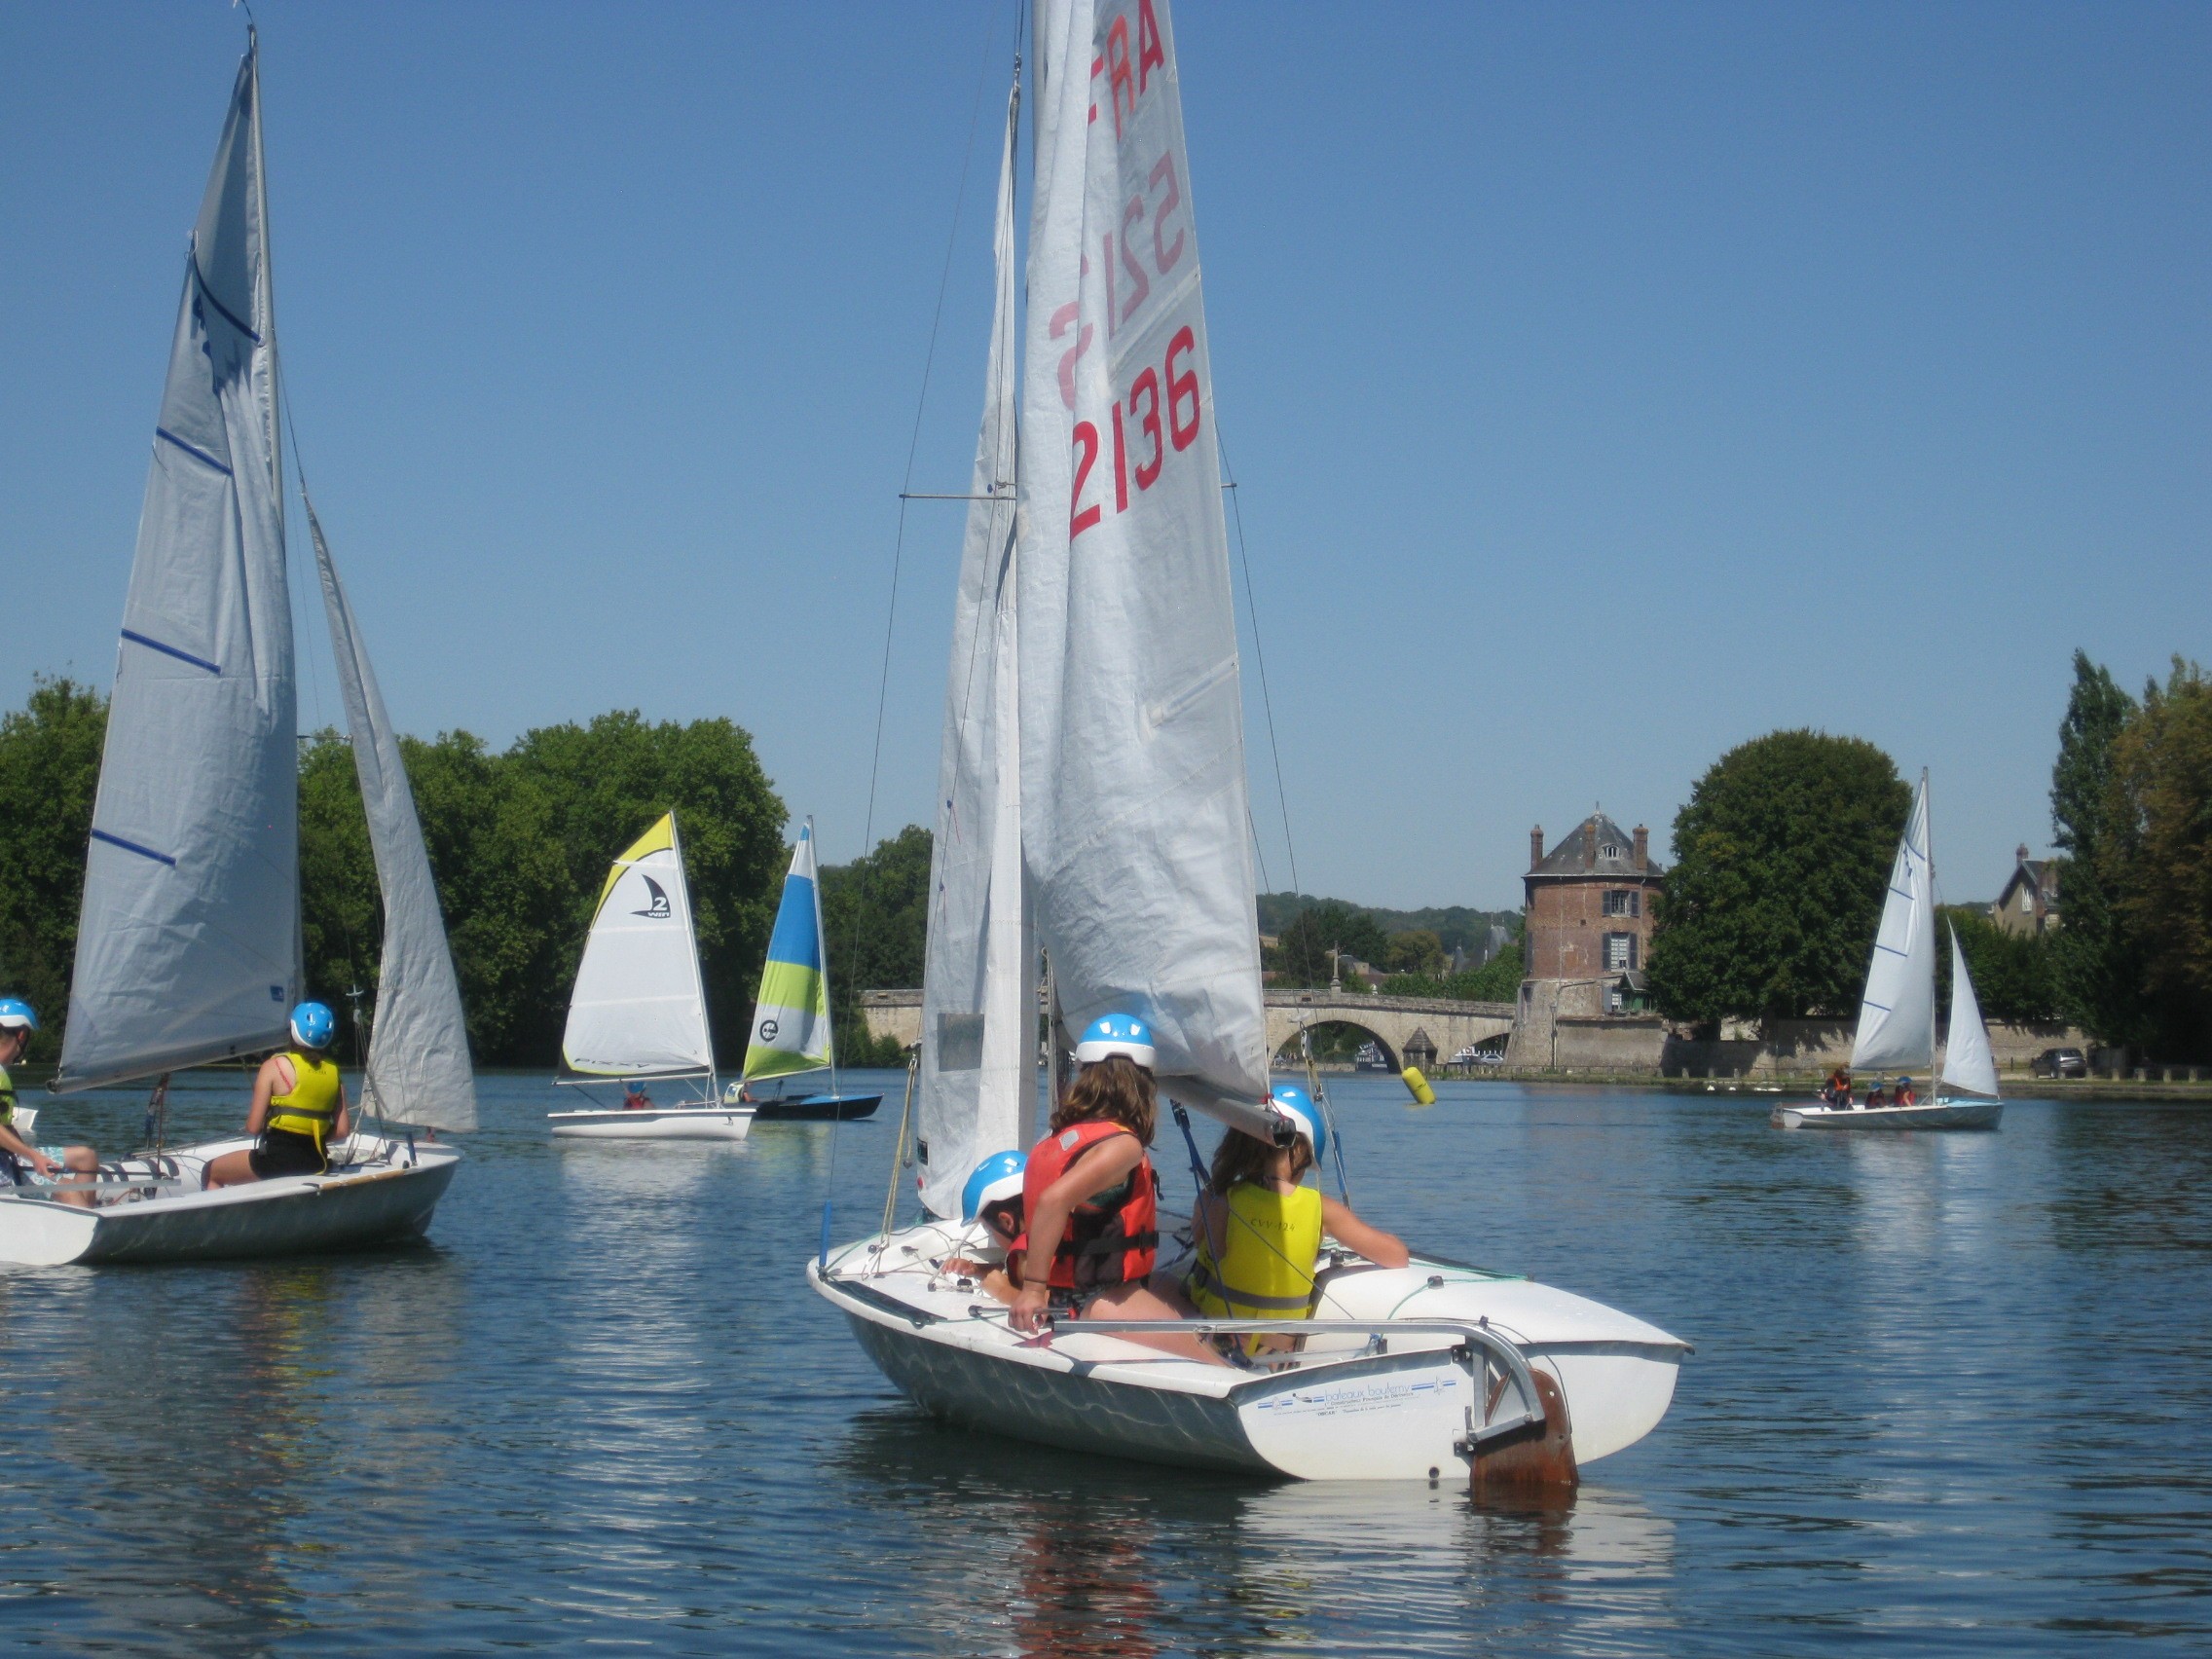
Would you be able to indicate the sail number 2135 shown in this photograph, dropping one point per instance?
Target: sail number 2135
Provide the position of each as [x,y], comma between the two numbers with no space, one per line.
[1160,415]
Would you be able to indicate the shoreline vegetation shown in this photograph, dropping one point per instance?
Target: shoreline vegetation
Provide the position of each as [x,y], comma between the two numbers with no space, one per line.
[1781,853]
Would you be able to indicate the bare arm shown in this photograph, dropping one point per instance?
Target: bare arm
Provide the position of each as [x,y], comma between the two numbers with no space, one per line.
[1211,1215]
[10,1141]
[1102,1166]
[1384,1249]
[274,1077]
[344,1124]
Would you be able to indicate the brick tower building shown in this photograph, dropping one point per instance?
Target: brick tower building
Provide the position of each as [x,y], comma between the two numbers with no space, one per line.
[1589,901]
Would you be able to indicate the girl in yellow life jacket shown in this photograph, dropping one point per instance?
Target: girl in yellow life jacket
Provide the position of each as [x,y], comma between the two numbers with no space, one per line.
[299,1108]
[1260,1227]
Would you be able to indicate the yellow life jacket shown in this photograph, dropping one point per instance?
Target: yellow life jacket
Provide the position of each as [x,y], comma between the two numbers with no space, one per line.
[7,1097]
[1265,1272]
[309,1107]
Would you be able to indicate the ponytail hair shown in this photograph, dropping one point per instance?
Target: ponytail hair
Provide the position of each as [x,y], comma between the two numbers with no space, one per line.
[1116,1091]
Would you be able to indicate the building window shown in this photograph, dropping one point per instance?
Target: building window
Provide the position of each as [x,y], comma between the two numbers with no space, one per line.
[1620,953]
[2027,902]
[1620,902]
[1613,999]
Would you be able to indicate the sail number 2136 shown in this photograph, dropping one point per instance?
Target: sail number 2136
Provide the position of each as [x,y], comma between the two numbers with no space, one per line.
[1161,414]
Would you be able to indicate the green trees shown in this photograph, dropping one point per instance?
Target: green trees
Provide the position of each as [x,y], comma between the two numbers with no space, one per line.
[2131,807]
[2156,861]
[876,912]
[1782,854]
[519,843]
[2096,981]
[1301,957]
[49,769]
[2014,976]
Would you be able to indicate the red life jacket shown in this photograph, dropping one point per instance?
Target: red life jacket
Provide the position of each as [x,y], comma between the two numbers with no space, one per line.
[1111,1239]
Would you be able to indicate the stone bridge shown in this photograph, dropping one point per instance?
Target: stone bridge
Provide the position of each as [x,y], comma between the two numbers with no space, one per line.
[1390,1021]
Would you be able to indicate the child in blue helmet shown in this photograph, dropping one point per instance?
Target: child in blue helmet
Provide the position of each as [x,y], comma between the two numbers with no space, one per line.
[991,1205]
[299,1108]
[20,1160]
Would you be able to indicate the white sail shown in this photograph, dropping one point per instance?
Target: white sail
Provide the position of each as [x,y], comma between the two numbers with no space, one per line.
[1897,1015]
[978,1087]
[1969,1066]
[188,944]
[1135,822]
[640,1007]
[419,1070]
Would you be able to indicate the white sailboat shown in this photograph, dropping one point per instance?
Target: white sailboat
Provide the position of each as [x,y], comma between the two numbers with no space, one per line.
[189,943]
[792,1033]
[1094,800]
[1896,1014]
[638,1013]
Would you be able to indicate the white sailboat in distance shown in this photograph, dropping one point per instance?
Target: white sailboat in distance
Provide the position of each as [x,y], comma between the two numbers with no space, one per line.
[1094,802]
[188,943]
[638,1013]
[1896,1014]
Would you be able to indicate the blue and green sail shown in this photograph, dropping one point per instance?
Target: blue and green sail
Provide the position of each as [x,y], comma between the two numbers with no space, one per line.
[791,1016]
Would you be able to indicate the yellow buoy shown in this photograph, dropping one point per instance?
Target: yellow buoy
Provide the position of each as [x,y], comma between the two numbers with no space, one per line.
[1418,1084]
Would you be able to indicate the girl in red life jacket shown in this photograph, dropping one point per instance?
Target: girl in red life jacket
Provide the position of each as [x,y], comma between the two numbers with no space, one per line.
[1092,1197]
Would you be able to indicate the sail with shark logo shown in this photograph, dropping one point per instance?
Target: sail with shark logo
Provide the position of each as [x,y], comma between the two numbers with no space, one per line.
[188,941]
[638,1012]
[1093,803]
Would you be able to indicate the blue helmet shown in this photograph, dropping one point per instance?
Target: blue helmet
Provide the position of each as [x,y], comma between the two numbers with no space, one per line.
[314,1025]
[998,1177]
[1116,1034]
[16,1015]
[1298,1106]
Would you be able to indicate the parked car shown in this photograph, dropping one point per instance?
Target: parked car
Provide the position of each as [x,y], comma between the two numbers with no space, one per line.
[2059,1062]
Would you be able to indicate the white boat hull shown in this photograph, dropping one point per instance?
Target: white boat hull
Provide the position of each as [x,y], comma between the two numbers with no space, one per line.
[657,1123]
[1934,1115]
[386,1197]
[1344,1412]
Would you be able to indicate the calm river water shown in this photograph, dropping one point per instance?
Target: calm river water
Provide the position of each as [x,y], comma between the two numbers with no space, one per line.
[1953,1393]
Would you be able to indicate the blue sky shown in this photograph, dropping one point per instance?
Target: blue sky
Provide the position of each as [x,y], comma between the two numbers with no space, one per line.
[1608,385]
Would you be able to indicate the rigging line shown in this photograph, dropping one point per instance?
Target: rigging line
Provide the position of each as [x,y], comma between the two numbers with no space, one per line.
[891,609]
[299,604]
[1258,650]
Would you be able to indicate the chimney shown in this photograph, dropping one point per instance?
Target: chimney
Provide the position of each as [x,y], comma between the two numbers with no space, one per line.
[2022,852]
[1590,842]
[1536,846]
[1642,847]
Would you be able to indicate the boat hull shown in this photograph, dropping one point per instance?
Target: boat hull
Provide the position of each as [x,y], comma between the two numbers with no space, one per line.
[1344,1412]
[660,1123]
[818,1108]
[353,1207]
[1936,1115]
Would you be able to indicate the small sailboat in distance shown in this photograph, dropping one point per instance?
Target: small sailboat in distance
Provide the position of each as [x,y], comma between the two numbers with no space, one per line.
[792,1033]
[1896,1014]
[637,1015]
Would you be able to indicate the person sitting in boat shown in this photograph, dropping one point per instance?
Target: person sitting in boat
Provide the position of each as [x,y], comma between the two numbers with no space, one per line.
[1875,1098]
[77,1164]
[1259,1227]
[299,1105]
[1836,1091]
[635,1098]
[1090,1197]
[991,1205]
[1903,1094]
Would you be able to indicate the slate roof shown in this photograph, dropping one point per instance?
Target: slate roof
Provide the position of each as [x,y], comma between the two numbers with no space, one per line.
[1616,850]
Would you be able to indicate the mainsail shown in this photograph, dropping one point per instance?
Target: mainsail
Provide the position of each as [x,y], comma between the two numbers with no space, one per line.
[417,1070]
[188,941]
[1135,823]
[1969,1066]
[1897,1016]
[791,1016]
[978,1087]
[640,1007]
